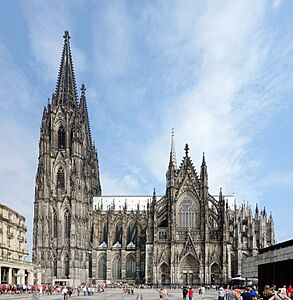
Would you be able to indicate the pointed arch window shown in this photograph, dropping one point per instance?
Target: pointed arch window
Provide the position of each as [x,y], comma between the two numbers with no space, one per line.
[130,267]
[60,178]
[118,233]
[117,268]
[131,234]
[143,239]
[66,266]
[105,233]
[61,138]
[71,142]
[187,214]
[102,268]
[55,267]
[67,225]
[55,225]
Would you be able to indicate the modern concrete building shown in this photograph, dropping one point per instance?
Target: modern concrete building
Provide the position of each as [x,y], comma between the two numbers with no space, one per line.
[272,265]
[14,267]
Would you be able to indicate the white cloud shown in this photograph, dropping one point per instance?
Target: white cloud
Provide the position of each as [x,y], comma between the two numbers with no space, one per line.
[212,115]
[46,24]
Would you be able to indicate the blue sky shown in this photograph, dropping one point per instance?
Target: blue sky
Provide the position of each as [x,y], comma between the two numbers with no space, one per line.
[219,72]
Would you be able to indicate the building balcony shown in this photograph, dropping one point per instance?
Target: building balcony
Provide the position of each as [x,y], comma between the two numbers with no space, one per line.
[10,234]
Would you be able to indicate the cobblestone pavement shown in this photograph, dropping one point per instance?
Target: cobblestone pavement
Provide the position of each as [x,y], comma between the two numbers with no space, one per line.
[116,294]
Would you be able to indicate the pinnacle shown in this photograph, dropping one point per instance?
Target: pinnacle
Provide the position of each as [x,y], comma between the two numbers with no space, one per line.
[186,149]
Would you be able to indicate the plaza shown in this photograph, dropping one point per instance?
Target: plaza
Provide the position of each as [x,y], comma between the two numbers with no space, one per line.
[117,294]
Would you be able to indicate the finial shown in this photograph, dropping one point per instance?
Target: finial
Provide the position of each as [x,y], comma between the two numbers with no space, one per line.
[256,208]
[66,37]
[172,131]
[154,192]
[186,149]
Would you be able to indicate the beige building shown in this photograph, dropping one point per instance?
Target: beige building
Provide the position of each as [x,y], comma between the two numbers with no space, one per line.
[14,267]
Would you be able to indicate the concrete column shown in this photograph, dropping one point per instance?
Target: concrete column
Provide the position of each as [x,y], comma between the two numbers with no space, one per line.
[9,276]
[22,276]
[30,279]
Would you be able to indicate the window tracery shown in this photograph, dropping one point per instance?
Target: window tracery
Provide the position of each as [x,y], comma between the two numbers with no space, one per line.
[187,214]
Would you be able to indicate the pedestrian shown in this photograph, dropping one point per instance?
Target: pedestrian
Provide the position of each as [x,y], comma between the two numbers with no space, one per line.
[267,293]
[246,295]
[190,293]
[231,294]
[221,293]
[203,290]
[184,293]
[279,296]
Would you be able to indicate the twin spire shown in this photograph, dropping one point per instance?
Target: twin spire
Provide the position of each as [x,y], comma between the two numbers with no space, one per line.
[66,86]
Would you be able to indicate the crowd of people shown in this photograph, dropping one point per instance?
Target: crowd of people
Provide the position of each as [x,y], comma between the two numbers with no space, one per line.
[65,291]
[247,293]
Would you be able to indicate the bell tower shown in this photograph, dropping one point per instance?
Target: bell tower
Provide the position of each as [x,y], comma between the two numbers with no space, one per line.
[67,179]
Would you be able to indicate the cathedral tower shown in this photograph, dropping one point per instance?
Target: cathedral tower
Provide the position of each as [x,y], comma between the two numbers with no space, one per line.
[67,180]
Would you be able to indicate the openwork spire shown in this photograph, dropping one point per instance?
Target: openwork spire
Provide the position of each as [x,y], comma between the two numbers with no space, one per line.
[84,112]
[173,151]
[66,87]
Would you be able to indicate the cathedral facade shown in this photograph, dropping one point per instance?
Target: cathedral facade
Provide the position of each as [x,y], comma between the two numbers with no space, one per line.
[186,236]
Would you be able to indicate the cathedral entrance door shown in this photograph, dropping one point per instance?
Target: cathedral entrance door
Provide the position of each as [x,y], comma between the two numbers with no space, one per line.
[188,279]
[165,274]
[189,270]
[185,279]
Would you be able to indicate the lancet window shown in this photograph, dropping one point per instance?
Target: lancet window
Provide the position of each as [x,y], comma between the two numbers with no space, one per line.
[60,178]
[102,268]
[130,267]
[61,138]
[67,224]
[117,268]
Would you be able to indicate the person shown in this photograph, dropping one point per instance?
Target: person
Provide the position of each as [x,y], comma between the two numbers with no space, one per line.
[84,291]
[253,292]
[190,294]
[279,296]
[203,290]
[184,293]
[231,294]
[221,293]
[267,293]
[289,291]
[65,293]
[284,290]
[246,295]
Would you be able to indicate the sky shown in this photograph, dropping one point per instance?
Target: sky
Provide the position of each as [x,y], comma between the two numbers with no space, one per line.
[219,72]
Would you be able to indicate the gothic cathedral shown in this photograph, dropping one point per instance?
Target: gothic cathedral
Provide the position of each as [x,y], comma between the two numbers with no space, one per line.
[185,237]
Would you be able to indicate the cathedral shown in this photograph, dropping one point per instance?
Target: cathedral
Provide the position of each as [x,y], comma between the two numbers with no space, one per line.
[185,237]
